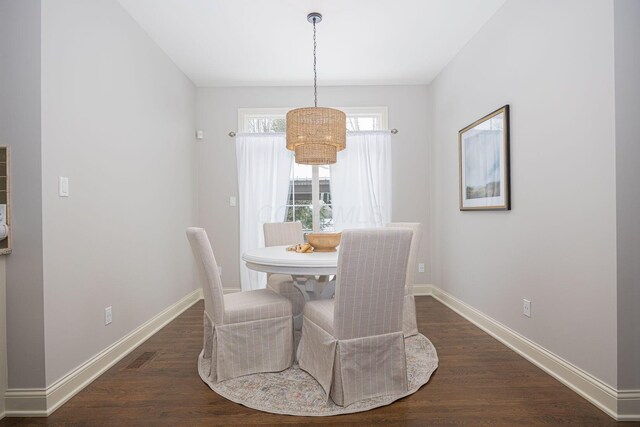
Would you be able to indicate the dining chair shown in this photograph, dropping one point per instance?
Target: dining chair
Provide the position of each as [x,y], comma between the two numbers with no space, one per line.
[279,234]
[244,332]
[353,345]
[409,321]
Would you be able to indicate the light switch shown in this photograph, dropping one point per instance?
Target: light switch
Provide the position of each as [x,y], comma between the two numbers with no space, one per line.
[200,134]
[232,201]
[63,186]
[108,316]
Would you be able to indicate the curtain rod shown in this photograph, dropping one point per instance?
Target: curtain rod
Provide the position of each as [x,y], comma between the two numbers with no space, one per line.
[232,134]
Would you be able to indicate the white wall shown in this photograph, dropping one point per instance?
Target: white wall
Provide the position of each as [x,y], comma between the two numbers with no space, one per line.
[118,120]
[217,114]
[553,63]
[627,87]
[20,129]
[4,380]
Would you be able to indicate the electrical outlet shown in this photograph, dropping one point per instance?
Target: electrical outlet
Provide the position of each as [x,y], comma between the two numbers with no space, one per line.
[108,315]
[526,307]
[232,201]
[421,267]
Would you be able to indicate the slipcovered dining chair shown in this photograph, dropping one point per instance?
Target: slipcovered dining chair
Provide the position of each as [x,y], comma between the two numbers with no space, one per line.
[279,234]
[409,321]
[353,345]
[244,332]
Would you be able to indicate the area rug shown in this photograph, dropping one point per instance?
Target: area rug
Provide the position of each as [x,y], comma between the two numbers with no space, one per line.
[295,392]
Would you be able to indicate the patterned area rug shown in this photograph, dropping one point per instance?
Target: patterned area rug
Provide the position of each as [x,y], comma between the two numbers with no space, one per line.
[294,392]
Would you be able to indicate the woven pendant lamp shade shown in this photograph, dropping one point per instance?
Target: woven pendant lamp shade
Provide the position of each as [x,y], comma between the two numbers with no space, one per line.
[316,154]
[316,134]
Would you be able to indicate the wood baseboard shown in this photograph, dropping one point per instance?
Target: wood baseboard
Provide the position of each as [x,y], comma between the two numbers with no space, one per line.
[43,402]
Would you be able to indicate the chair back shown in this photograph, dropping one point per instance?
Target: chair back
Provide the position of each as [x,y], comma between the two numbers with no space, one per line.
[416,227]
[372,269]
[283,233]
[208,274]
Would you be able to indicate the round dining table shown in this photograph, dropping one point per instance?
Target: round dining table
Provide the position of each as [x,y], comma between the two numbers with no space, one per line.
[311,272]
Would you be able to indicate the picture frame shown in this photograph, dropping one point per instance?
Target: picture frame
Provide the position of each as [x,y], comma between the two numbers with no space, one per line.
[484,163]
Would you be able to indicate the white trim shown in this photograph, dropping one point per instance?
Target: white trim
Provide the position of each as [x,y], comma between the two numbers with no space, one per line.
[381,112]
[603,396]
[245,113]
[422,290]
[30,402]
[41,402]
[230,290]
[628,405]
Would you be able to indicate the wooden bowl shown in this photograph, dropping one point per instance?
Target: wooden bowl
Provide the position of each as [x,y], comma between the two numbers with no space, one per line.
[324,242]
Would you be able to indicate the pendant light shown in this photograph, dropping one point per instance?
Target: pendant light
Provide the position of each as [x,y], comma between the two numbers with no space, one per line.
[315,133]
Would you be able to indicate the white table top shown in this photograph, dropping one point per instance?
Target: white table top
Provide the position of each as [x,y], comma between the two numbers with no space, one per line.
[276,259]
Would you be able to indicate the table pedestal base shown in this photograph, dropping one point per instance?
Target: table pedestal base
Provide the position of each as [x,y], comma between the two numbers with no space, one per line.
[312,288]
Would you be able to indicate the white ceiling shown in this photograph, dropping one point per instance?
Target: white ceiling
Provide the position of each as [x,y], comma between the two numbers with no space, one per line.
[269,42]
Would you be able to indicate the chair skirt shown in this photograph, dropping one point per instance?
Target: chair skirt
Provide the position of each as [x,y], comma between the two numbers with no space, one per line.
[237,349]
[409,322]
[353,369]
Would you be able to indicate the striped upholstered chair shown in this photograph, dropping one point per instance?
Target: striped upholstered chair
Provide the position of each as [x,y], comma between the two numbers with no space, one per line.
[409,322]
[280,234]
[353,345]
[244,332]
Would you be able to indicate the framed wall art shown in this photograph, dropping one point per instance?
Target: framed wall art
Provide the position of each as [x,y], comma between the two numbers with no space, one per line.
[483,149]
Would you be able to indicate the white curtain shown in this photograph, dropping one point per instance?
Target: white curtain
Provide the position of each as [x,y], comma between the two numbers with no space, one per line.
[361,181]
[264,169]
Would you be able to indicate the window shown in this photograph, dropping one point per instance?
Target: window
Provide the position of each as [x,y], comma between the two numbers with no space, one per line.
[300,201]
[261,120]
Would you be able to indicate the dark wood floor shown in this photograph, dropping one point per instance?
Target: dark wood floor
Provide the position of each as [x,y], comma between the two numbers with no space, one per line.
[479,382]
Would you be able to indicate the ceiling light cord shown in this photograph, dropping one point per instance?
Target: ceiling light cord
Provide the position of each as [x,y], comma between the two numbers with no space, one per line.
[315,72]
